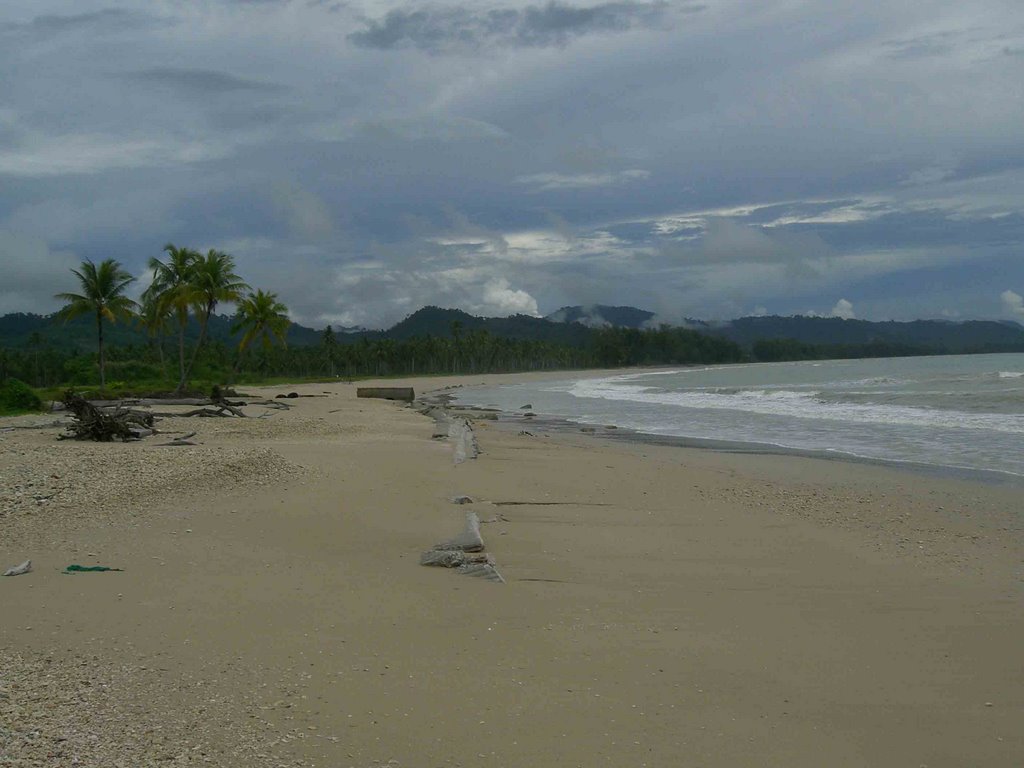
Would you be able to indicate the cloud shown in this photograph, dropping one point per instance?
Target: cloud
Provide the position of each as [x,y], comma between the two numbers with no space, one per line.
[32,274]
[91,153]
[465,28]
[377,298]
[500,299]
[544,182]
[936,44]
[102,21]
[1013,304]
[358,169]
[843,309]
[305,214]
[201,82]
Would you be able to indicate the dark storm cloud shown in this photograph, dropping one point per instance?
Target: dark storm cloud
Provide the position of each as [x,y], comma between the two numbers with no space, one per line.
[463,27]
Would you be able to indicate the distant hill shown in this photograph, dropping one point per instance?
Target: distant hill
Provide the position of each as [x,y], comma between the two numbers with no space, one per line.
[435,321]
[939,335]
[571,326]
[600,315]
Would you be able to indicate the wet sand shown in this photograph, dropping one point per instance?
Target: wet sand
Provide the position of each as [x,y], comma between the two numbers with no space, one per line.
[663,605]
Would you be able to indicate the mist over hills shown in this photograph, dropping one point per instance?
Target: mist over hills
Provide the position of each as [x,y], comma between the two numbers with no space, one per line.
[573,326]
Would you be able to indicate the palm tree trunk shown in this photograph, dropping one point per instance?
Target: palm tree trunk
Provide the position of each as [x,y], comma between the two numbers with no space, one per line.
[160,351]
[181,356]
[195,353]
[99,340]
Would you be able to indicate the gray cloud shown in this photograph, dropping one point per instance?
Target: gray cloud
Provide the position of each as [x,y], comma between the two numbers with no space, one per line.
[456,27]
[104,20]
[938,44]
[203,82]
[32,273]
[876,157]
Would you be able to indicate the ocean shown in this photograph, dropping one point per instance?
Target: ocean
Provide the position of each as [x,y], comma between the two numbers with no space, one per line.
[957,412]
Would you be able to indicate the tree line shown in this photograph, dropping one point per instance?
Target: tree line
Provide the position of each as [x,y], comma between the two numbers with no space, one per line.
[186,284]
[187,287]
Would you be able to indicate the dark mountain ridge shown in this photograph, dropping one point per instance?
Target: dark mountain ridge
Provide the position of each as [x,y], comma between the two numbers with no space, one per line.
[937,335]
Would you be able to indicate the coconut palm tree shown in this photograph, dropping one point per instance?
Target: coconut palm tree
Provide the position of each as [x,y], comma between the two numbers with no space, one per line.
[103,286]
[212,280]
[171,289]
[154,318]
[262,317]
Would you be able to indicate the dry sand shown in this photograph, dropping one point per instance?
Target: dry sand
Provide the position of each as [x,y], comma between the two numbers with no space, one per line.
[663,606]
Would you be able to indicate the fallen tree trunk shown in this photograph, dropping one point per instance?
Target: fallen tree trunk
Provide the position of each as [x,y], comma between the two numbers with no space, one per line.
[92,423]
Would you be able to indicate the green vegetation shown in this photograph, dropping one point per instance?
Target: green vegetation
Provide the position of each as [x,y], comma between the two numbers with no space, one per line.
[778,350]
[17,397]
[102,296]
[263,317]
[81,346]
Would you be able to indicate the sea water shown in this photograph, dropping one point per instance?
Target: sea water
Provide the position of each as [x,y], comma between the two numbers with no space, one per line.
[959,412]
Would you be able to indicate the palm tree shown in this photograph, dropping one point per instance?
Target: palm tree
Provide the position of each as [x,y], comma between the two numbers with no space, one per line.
[153,317]
[103,287]
[212,281]
[330,344]
[172,290]
[263,317]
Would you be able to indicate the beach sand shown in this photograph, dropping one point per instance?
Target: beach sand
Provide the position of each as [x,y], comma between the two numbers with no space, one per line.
[664,606]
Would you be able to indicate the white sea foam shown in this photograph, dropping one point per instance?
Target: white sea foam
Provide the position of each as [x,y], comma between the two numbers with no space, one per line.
[965,412]
[799,405]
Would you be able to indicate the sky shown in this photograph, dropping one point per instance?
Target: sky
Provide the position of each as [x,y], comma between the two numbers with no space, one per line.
[707,158]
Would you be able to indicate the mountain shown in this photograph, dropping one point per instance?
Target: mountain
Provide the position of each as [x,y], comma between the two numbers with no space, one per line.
[601,315]
[938,335]
[571,326]
[436,321]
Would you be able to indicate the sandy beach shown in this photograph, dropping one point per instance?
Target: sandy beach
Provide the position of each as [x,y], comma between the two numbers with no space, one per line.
[663,606]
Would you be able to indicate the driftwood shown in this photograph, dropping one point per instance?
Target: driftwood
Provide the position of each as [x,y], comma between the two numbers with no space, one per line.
[220,407]
[387,393]
[101,425]
[183,440]
[273,404]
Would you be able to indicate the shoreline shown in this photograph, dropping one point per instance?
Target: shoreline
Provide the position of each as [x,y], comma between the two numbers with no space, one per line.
[664,605]
[739,448]
[614,431]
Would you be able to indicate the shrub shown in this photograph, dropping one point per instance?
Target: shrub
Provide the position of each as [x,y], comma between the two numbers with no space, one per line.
[16,395]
